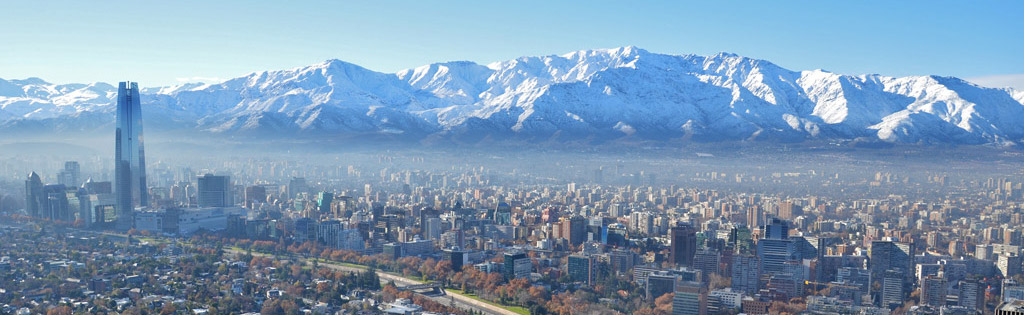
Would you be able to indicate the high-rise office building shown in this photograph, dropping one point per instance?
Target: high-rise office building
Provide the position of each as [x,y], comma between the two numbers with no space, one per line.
[776,229]
[971,294]
[503,214]
[82,203]
[780,258]
[323,201]
[1009,265]
[615,235]
[707,260]
[777,248]
[746,273]
[1011,290]
[889,255]
[683,244]
[34,195]
[574,230]
[741,240]
[457,257]
[855,277]
[55,204]
[98,187]
[933,291]
[659,283]
[255,194]
[129,156]
[755,216]
[70,175]
[297,186]
[425,215]
[893,292]
[621,261]
[215,191]
[789,282]
[578,268]
[328,233]
[642,222]
[691,299]
[432,229]
[517,266]
[788,210]
[101,203]
[306,230]
[1011,237]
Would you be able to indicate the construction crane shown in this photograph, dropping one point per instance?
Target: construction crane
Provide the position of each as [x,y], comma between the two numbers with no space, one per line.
[830,285]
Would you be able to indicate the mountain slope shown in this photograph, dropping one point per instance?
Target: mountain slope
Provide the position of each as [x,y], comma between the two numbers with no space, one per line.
[593,95]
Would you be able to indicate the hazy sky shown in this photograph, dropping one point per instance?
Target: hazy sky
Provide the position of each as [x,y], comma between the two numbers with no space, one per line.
[167,42]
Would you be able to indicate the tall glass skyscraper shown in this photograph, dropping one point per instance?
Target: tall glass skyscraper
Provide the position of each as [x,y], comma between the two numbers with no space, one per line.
[34,195]
[129,156]
[215,191]
[683,244]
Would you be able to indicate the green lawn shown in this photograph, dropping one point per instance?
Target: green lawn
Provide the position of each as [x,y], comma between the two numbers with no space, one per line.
[350,265]
[152,240]
[417,278]
[516,309]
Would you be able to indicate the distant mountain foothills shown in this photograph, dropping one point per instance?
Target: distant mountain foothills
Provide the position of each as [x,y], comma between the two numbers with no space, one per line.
[590,96]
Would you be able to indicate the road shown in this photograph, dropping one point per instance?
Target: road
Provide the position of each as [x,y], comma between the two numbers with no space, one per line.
[461,301]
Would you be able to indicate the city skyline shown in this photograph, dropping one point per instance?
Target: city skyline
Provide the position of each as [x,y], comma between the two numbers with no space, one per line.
[612,181]
[596,223]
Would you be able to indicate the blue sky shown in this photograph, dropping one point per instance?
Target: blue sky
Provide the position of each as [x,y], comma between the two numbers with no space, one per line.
[166,42]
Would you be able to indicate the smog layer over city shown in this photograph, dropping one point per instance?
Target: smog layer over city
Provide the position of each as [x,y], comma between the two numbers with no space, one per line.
[422,158]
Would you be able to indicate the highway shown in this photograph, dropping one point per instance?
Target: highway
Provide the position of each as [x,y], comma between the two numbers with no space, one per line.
[461,301]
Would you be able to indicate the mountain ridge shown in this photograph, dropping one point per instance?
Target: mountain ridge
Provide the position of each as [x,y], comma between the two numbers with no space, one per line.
[587,95]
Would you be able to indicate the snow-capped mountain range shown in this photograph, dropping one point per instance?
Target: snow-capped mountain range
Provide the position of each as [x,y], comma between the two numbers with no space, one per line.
[591,95]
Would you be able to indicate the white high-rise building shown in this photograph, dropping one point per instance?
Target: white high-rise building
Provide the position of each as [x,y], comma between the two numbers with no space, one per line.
[432,229]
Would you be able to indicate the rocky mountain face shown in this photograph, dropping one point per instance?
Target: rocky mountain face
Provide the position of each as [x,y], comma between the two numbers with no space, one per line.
[619,94]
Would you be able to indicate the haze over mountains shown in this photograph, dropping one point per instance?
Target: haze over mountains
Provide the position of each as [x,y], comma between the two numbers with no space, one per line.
[590,96]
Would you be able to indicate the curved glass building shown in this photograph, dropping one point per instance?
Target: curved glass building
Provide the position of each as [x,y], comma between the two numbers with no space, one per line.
[129,156]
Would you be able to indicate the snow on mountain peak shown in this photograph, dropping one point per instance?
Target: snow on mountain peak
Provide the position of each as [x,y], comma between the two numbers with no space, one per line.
[30,81]
[585,94]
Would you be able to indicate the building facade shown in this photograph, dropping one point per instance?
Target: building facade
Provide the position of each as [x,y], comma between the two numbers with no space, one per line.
[129,156]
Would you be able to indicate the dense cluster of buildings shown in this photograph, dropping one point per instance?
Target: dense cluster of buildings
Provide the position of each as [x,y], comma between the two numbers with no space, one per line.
[83,272]
[868,255]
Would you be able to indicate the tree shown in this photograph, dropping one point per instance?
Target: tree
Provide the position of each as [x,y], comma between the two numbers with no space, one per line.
[323,287]
[296,271]
[719,282]
[59,310]
[368,280]
[272,307]
[794,306]
[663,304]
[538,309]
[538,293]
[168,309]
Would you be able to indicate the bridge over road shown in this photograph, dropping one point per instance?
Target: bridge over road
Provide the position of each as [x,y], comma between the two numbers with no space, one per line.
[434,287]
